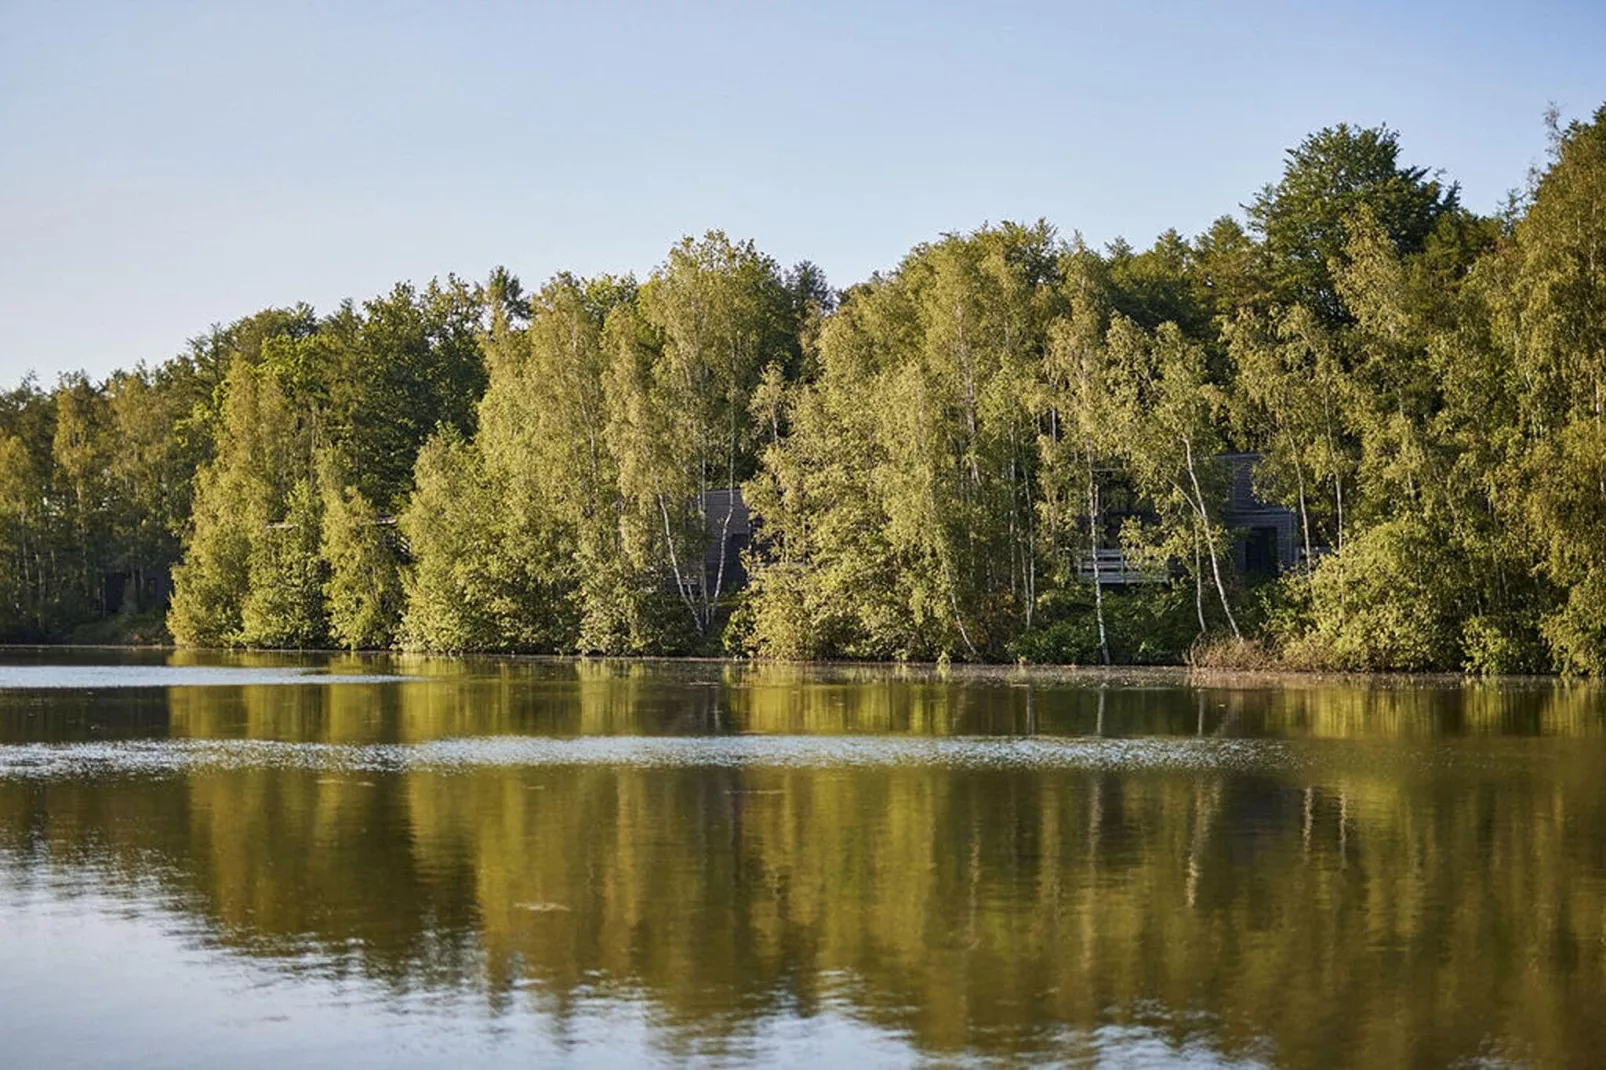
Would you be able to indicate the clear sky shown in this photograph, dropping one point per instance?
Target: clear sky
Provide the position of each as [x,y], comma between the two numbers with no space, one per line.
[165,166]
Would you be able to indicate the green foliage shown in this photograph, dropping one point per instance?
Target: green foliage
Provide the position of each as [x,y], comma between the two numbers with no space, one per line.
[1503,645]
[1392,599]
[286,388]
[899,509]
[1554,317]
[1329,177]
[284,604]
[1576,630]
[408,362]
[363,591]
[544,432]
[1145,626]
[464,592]
[17,481]
[1294,392]
[687,360]
[451,591]
[933,460]
[238,494]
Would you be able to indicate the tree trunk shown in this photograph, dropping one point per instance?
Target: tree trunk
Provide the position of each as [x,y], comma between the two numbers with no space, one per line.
[725,528]
[1093,543]
[953,600]
[1304,523]
[674,564]
[1210,542]
[1198,585]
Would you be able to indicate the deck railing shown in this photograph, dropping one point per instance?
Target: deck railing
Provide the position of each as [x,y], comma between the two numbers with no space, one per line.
[1115,570]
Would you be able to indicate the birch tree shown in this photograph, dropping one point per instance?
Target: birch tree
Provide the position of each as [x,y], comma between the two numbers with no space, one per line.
[710,320]
[1173,419]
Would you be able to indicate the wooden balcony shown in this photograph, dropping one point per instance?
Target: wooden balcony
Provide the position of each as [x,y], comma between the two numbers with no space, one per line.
[1114,570]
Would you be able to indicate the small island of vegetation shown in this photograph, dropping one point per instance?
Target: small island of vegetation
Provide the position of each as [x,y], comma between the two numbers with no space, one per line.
[1010,446]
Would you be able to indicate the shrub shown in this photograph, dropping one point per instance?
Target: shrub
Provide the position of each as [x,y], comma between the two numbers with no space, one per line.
[1150,625]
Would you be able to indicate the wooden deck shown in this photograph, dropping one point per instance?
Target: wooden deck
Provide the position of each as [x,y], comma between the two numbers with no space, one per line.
[1114,570]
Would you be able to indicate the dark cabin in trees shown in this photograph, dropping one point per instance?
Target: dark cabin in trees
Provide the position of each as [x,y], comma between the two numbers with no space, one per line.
[1265,540]
[717,504]
[135,590]
[1266,536]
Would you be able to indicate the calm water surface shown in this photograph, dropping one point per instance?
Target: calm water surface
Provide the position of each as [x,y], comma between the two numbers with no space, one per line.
[213,860]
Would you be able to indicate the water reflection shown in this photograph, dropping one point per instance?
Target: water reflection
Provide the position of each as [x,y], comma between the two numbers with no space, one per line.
[442,699]
[1420,880]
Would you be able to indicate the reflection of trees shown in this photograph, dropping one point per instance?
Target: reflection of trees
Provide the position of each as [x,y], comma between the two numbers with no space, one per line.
[457,699]
[1355,915]
[80,716]
[1434,881]
[447,698]
[1400,708]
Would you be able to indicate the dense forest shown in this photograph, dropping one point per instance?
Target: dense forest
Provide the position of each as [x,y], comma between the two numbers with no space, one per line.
[929,457]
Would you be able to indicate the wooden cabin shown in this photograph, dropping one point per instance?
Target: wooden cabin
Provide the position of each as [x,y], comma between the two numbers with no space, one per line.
[1266,539]
[1265,536]
[716,505]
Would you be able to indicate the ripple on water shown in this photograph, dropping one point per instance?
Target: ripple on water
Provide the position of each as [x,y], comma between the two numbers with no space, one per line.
[42,760]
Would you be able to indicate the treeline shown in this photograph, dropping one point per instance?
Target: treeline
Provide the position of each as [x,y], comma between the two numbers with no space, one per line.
[929,457]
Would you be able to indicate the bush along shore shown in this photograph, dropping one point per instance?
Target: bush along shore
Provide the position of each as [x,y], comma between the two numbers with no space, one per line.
[1359,426]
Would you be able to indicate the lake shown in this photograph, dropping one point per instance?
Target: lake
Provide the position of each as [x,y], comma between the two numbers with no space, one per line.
[266,860]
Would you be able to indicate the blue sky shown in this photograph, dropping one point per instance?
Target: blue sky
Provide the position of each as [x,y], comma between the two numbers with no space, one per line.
[171,165]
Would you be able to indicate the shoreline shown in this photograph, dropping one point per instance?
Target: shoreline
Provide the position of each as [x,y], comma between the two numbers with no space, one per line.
[979,670]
